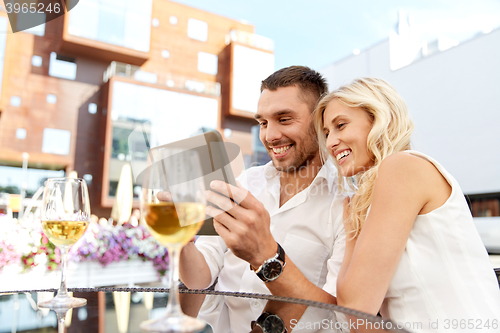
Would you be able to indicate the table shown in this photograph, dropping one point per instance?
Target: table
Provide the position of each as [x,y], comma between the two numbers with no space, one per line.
[121,310]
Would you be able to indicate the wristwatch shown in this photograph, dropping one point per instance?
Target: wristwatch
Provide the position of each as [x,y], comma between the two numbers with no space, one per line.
[270,323]
[272,268]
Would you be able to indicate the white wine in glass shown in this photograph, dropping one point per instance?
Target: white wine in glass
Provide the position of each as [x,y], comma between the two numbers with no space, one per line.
[174,223]
[65,218]
[173,206]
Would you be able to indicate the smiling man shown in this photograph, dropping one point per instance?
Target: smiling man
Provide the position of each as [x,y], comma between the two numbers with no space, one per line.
[286,232]
[283,115]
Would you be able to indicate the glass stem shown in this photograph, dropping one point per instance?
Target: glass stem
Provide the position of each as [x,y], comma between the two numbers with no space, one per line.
[60,322]
[63,292]
[173,305]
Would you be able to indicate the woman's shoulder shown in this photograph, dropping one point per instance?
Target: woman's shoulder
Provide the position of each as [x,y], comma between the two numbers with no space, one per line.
[406,161]
[414,169]
[417,172]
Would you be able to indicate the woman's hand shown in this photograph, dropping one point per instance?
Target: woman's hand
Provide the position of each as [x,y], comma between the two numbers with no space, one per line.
[347,220]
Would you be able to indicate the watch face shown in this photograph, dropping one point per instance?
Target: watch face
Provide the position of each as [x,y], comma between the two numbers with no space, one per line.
[272,270]
[273,324]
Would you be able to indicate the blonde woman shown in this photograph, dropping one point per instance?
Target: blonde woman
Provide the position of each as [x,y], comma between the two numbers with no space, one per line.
[412,250]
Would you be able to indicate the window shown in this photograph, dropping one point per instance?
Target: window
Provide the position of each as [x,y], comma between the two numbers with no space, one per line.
[260,155]
[162,115]
[51,99]
[36,61]
[56,141]
[122,23]
[21,133]
[197,30]
[11,179]
[173,20]
[62,67]
[250,67]
[207,63]
[84,20]
[165,54]
[92,108]
[155,23]
[15,101]
[88,178]
[137,31]
[111,24]
[227,133]
[485,205]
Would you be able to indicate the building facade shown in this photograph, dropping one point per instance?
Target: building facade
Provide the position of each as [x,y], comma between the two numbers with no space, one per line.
[74,89]
[451,90]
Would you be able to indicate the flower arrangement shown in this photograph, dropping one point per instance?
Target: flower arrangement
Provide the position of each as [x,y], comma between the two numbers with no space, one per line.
[107,244]
[44,253]
[8,254]
[23,243]
[27,246]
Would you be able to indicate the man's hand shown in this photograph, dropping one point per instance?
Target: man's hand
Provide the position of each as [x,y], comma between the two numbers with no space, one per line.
[242,222]
[164,196]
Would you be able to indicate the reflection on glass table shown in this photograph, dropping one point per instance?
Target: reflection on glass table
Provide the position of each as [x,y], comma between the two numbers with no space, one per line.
[121,310]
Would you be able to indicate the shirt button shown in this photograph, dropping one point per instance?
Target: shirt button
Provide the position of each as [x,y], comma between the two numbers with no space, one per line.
[256,304]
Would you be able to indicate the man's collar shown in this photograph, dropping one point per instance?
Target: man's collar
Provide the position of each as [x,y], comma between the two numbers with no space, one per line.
[270,171]
[328,172]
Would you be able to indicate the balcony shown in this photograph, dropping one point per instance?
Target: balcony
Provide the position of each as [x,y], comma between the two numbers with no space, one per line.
[166,79]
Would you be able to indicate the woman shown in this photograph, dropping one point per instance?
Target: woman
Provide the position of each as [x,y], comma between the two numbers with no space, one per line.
[412,250]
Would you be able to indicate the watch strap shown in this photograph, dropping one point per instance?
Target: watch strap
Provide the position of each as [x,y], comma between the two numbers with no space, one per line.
[280,256]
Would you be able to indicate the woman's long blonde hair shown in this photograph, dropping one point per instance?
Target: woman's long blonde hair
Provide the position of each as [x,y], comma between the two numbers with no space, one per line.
[390,133]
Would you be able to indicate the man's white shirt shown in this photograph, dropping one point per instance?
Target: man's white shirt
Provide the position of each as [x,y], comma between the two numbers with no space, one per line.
[310,229]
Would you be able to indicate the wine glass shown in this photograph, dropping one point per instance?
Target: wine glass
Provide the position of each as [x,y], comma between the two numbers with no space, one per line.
[173,206]
[61,315]
[65,218]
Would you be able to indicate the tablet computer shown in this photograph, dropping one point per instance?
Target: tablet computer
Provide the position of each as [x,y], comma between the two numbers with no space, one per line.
[215,157]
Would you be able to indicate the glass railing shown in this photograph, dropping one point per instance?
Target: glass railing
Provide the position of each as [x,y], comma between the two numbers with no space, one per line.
[167,79]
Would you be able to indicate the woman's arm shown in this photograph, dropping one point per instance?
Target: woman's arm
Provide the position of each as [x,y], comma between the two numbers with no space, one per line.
[404,186]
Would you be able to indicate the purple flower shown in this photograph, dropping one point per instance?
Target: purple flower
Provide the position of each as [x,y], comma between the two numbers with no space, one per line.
[112,244]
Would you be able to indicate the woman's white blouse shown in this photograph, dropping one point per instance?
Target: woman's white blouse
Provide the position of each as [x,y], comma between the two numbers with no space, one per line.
[444,281]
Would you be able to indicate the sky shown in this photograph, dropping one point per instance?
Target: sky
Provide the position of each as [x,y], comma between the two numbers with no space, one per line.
[316,33]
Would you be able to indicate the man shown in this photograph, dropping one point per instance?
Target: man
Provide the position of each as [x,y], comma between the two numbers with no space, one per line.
[293,212]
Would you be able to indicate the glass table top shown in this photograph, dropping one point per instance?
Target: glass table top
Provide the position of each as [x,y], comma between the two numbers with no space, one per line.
[121,310]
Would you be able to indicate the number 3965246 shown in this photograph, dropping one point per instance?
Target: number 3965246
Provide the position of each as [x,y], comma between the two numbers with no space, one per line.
[33,8]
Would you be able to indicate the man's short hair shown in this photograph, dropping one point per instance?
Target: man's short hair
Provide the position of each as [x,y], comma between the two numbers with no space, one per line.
[312,83]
